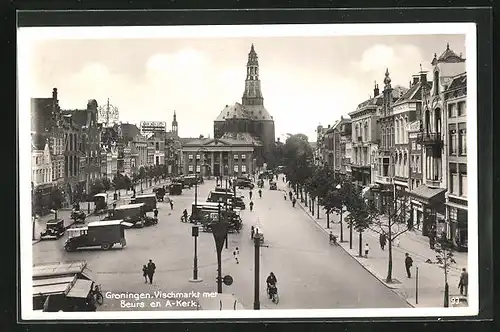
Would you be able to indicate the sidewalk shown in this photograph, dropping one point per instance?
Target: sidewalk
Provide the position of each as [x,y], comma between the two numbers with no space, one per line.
[430,276]
[65,214]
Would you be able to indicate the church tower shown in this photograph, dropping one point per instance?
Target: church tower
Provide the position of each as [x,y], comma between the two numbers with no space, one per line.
[252,94]
[175,128]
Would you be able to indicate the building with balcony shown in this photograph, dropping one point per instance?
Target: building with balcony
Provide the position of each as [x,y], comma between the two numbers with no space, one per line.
[320,150]
[434,142]
[219,157]
[415,151]
[406,110]
[335,139]
[455,97]
[365,137]
[386,159]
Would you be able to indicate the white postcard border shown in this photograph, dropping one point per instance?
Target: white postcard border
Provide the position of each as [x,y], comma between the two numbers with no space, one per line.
[26,37]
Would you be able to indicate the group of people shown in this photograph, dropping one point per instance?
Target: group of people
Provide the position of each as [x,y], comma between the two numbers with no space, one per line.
[148,271]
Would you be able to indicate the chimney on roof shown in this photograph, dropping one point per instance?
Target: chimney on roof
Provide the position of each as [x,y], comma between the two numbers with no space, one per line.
[423,77]
[415,80]
[375,90]
[54,93]
[328,126]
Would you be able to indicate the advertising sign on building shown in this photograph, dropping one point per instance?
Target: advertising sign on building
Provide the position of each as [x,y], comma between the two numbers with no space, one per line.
[153,126]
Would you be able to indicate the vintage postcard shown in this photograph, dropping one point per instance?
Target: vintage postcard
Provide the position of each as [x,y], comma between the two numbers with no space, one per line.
[248,171]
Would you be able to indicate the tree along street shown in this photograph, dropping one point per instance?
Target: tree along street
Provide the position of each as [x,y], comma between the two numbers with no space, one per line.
[311,273]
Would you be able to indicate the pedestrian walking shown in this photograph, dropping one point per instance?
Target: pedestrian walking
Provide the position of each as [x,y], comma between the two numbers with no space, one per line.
[171,204]
[260,193]
[145,273]
[236,254]
[463,284]
[251,206]
[290,194]
[252,232]
[155,212]
[151,268]
[408,264]
[382,240]
[294,201]
[367,249]
[284,196]
[250,193]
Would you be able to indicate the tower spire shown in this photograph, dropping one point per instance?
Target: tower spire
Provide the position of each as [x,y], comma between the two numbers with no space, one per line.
[175,127]
[252,94]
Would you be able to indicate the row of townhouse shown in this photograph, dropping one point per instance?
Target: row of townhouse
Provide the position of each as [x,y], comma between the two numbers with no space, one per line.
[410,144]
[71,149]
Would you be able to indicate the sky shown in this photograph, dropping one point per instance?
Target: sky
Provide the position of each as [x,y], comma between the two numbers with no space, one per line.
[305,81]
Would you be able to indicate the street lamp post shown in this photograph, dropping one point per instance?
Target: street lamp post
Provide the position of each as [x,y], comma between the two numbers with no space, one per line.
[219,231]
[225,203]
[194,212]
[256,302]
[194,233]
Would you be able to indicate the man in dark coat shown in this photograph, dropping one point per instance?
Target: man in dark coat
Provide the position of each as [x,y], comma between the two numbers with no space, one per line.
[383,240]
[151,270]
[408,264]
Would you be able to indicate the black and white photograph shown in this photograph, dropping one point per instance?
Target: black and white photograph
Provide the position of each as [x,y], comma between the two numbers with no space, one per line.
[248,171]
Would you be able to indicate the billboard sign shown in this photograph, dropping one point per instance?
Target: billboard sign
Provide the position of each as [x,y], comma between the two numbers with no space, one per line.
[153,126]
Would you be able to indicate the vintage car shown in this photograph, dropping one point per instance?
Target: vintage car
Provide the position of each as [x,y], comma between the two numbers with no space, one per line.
[64,287]
[273,186]
[242,182]
[54,229]
[160,193]
[149,201]
[100,203]
[130,213]
[192,179]
[104,234]
[175,189]
[227,197]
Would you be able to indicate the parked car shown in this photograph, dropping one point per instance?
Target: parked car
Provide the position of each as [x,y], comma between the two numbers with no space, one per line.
[104,234]
[130,213]
[149,201]
[54,229]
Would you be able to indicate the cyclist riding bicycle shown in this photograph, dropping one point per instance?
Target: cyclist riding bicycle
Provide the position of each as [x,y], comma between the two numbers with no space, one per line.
[271,285]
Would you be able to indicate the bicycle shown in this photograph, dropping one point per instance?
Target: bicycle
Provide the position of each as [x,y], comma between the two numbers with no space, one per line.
[274,295]
[97,293]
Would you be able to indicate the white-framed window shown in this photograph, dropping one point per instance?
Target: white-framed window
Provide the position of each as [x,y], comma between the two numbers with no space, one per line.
[243,156]
[190,168]
[190,157]
[198,168]
[197,157]
[235,157]
[236,168]
[243,168]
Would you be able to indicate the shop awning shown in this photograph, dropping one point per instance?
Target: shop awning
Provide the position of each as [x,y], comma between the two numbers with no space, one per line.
[427,195]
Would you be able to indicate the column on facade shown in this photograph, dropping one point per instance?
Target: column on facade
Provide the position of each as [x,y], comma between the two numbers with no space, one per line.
[240,163]
[212,157]
[221,164]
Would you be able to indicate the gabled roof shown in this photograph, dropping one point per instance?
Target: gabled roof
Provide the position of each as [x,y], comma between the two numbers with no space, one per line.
[373,102]
[458,81]
[448,56]
[239,111]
